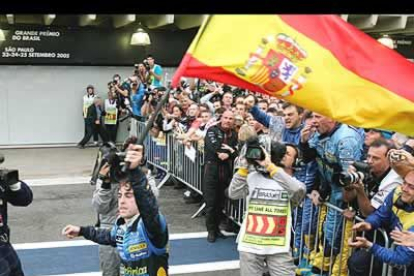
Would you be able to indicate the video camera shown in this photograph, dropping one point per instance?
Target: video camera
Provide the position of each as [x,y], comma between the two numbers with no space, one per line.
[255,151]
[146,65]
[110,154]
[363,172]
[7,177]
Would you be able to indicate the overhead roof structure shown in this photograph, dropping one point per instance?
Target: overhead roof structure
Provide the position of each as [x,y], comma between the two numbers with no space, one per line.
[373,24]
[104,21]
[381,24]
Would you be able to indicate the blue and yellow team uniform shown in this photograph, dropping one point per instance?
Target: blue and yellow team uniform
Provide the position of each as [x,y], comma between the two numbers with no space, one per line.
[143,243]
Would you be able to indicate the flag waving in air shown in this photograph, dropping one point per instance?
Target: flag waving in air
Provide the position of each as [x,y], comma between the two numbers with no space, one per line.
[319,62]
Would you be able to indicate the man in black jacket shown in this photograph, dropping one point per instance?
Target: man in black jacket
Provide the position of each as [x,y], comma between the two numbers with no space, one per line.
[93,122]
[17,194]
[219,154]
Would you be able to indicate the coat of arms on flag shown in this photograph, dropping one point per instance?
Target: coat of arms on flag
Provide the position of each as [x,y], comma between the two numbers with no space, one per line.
[275,66]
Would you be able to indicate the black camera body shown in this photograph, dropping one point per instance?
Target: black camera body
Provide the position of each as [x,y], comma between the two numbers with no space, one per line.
[110,154]
[254,151]
[8,177]
[363,172]
[146,65]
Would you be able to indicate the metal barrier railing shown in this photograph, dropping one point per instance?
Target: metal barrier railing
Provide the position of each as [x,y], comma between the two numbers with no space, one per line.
[320,253]
[156,149]
[330,256]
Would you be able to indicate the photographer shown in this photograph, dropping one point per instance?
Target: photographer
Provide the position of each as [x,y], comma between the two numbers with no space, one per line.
[271,191]
[373,134]
[396,213]
[371,195]
[142,73]
[16,193]
[140,233]
[122,89]
[370,187]
[150,100]
[288,130]
[137,97]
[154,71]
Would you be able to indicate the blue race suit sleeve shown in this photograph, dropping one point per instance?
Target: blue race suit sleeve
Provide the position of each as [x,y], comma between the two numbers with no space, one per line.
[381,216]
[99,235]
[349,150]
[401,255]
[154,222]
[21,197]
[260,116]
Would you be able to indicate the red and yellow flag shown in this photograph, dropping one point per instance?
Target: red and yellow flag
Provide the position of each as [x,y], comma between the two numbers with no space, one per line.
[319,62]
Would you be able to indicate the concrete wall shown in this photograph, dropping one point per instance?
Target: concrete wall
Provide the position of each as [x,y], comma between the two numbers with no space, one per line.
[43,104]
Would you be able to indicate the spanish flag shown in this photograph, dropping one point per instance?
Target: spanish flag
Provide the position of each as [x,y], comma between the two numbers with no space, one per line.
[319,62]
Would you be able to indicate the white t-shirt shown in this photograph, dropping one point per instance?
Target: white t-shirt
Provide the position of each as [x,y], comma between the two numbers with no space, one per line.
[387,185]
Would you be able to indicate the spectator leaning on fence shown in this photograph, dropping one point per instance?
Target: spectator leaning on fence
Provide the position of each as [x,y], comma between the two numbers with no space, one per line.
[193,122]
[270,195]
[397,213]
[176,120]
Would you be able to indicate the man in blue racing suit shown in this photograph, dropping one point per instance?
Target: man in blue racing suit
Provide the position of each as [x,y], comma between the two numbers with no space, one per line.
[140,233]
[335,146]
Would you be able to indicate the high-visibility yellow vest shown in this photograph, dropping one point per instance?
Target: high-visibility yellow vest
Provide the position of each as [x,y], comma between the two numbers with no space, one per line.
[87,102]
[111,112]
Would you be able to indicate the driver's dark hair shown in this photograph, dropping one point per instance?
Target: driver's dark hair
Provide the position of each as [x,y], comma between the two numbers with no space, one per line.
[130,140]
[277,152]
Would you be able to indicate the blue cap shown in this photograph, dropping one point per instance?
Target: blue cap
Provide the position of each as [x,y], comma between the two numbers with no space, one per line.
[384,133]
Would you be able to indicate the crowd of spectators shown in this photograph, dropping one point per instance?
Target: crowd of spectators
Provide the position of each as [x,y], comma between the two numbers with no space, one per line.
[365,172]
